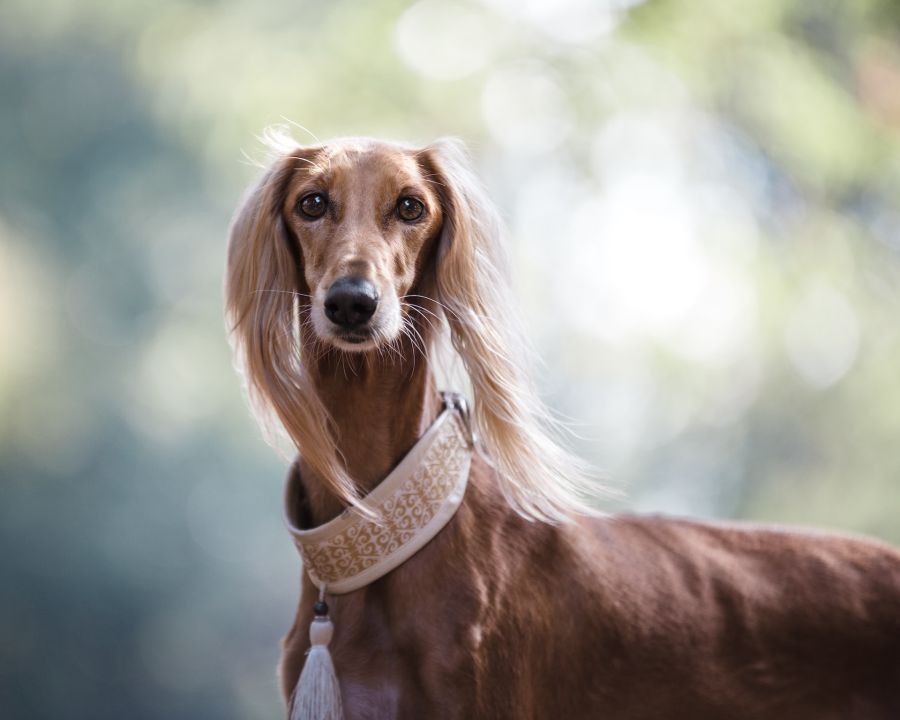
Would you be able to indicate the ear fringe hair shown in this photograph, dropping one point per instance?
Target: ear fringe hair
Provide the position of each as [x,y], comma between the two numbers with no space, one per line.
[538,476]
[261,288]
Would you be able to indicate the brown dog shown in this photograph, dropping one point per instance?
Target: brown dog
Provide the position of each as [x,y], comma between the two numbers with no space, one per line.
[347,261]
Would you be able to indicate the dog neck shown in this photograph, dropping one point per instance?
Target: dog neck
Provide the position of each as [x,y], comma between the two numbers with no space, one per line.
[381,403]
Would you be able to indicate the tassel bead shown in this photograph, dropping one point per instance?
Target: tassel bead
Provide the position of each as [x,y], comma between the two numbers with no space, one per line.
[320,631]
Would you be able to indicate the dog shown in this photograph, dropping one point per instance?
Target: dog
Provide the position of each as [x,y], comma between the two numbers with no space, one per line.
[348,263]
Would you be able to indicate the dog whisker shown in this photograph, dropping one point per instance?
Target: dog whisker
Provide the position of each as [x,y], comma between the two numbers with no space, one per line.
[285,292]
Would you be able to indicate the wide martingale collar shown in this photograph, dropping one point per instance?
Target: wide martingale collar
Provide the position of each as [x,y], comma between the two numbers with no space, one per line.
[411,506]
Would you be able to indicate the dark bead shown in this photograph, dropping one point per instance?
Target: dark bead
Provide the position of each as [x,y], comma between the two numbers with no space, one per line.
[320,608]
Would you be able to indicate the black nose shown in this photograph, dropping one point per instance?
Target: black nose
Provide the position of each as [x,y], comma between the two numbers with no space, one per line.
[350,302]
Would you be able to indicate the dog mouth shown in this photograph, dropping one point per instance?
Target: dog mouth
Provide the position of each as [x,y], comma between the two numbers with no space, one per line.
[361,339]
[353,340]
[354,337]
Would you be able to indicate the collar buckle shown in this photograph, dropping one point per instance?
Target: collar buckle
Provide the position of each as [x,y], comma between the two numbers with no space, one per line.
[456,401]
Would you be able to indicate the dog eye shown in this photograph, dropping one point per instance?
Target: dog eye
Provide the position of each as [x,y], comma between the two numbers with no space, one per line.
[313,206]
[410,209]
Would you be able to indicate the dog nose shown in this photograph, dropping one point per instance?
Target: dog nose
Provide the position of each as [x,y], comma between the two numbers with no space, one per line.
[350,301]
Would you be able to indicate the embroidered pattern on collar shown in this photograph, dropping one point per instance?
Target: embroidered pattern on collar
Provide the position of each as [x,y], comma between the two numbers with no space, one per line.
[413,503]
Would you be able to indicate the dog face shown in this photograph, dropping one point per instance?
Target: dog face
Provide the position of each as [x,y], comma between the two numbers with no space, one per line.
[364,216]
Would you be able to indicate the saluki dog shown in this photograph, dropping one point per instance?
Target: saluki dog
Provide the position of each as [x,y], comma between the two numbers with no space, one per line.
[353,267]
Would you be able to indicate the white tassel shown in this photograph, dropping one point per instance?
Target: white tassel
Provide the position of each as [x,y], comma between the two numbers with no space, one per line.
[317,695]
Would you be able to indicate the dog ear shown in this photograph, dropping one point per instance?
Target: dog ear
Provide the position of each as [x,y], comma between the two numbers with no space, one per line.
[539,478]
[259,255]
[262,281]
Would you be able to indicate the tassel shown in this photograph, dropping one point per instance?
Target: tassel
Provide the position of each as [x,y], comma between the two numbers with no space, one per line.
[317,695]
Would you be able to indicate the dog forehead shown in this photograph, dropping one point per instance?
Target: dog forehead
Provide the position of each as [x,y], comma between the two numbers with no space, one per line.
[370,164]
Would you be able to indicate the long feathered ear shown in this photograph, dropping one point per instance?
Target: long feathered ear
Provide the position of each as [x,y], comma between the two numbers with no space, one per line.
[262,282]
[539,478]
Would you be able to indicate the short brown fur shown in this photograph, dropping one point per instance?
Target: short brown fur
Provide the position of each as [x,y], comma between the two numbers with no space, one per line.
[502,616]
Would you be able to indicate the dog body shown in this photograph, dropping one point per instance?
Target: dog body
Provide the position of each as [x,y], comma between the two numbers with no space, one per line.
[618,618]
[344,262]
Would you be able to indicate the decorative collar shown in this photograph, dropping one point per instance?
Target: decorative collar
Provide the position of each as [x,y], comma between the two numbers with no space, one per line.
[411,505]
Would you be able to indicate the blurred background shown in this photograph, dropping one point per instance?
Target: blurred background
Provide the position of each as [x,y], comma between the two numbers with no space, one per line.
[704,199]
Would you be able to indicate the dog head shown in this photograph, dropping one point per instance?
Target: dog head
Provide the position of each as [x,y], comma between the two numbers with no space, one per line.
[363,217]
